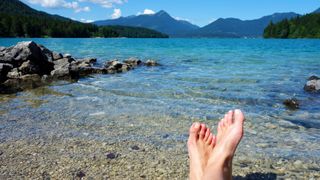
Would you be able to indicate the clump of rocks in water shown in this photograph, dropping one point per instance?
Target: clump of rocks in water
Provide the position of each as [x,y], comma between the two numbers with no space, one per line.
[29,65]
[292,104]
[313,84]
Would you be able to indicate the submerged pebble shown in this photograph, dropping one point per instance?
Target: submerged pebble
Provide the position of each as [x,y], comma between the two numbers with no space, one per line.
[111,155]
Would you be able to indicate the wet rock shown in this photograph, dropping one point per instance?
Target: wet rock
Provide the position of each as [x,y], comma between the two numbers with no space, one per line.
[113,64]
[292,104]
[313,84]
[133,62]
[88,60]
[4,69]
[111,155]
[151,63]
[28,65]
[28,81]
[116,66]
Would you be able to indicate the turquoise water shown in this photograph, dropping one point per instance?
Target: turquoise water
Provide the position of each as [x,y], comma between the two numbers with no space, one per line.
[200,79]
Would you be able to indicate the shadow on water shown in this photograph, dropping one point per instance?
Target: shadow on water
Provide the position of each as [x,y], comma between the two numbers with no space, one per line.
[253,176]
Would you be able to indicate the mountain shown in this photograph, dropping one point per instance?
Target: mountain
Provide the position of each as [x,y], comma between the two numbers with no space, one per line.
[232,27]
[316,11]
[19,20]
[19,8]
[306,26]
[160,21]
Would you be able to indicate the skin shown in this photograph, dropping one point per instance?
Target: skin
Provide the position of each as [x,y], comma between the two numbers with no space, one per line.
[200,146]
[215,161]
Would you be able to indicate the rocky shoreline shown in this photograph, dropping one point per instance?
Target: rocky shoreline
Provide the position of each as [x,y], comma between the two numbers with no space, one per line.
[30,65]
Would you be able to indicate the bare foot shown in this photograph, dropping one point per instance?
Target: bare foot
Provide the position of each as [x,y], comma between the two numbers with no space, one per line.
[200,145]
[230,132]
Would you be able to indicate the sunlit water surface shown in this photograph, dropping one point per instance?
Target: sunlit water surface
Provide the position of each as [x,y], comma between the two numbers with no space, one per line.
[199,80]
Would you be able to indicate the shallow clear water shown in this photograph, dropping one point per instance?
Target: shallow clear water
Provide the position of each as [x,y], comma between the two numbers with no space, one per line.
[200,79]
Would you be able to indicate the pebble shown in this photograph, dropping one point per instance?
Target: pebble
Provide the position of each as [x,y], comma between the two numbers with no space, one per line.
[135,147]
[297,163]
[270,126]
[262,145]
[165,136]
[111,155]
[80,174]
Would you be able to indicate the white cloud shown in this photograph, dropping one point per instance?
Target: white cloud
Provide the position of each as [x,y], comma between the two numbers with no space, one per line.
[116,14]
[86,20]
[60,4]
[146,12]
[85,9]
[105,3]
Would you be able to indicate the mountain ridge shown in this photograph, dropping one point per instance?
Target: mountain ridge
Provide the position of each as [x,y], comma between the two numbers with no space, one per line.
[234,27]
[19,20]
[222,27]
[160,21]
[6,6]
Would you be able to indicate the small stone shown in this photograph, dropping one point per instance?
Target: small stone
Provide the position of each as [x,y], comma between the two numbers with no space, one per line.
[111,155]
[262,145]
[151,63]
[80,174]
[45,176]
[297,163]
[292,104]
[271,126]
[165,136]
[135,147]
[143,176]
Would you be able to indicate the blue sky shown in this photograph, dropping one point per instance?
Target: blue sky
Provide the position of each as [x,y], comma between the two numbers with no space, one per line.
[199,12]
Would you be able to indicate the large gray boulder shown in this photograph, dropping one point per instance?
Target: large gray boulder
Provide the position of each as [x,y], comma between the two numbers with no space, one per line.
[313,84]
[28,51]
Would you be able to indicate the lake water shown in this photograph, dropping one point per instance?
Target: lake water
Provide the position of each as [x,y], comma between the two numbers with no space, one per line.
[199,80]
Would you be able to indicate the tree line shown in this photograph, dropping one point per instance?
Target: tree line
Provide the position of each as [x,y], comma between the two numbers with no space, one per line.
[17,25]
[307,26]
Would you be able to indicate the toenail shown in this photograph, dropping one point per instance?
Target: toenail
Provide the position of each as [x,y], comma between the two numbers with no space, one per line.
[237,111]
[196,125]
